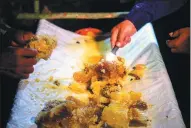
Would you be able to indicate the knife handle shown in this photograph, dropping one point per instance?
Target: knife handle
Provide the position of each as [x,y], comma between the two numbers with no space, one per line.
[114,50]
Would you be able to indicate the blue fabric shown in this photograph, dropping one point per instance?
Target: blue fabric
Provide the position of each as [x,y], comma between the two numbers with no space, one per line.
[145,11]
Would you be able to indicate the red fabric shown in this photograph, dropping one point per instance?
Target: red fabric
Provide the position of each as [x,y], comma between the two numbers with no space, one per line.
[89,31]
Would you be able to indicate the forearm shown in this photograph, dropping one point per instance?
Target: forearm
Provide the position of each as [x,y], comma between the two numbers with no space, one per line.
[146,11]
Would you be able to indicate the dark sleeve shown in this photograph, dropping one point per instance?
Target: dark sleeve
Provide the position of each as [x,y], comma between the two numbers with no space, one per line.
[7,33]
[145,11]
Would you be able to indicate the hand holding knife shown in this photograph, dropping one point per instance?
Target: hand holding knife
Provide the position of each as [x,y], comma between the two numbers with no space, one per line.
[105,36]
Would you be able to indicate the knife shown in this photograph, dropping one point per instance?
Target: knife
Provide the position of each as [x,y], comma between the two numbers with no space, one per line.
[114,50]
[101,37]
[112,55]
[105,36]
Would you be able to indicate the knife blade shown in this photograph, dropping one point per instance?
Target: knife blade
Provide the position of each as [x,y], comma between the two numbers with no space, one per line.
[101,37]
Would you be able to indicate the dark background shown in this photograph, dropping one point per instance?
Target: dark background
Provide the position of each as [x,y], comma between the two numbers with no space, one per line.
[178,65]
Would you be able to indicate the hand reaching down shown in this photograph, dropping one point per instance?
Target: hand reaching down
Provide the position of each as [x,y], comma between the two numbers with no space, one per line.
[15,60]
[121,33]
[21,38]
[181,41]
[18,62]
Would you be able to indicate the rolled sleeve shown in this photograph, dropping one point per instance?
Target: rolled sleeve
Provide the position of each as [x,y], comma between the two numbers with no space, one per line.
[138,18]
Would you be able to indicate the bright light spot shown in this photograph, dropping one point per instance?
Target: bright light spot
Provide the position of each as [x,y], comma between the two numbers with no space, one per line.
[110,57]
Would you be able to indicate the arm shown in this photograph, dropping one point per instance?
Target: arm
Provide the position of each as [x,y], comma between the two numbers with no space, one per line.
[146,11]
[181,41]
[15,61]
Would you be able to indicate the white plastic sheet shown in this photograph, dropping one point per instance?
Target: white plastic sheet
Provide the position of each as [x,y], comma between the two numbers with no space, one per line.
[155,85]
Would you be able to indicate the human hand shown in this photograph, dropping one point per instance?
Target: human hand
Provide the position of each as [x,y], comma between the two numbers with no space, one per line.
[181,41]
[21,38]
[121,33]
[17,62]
